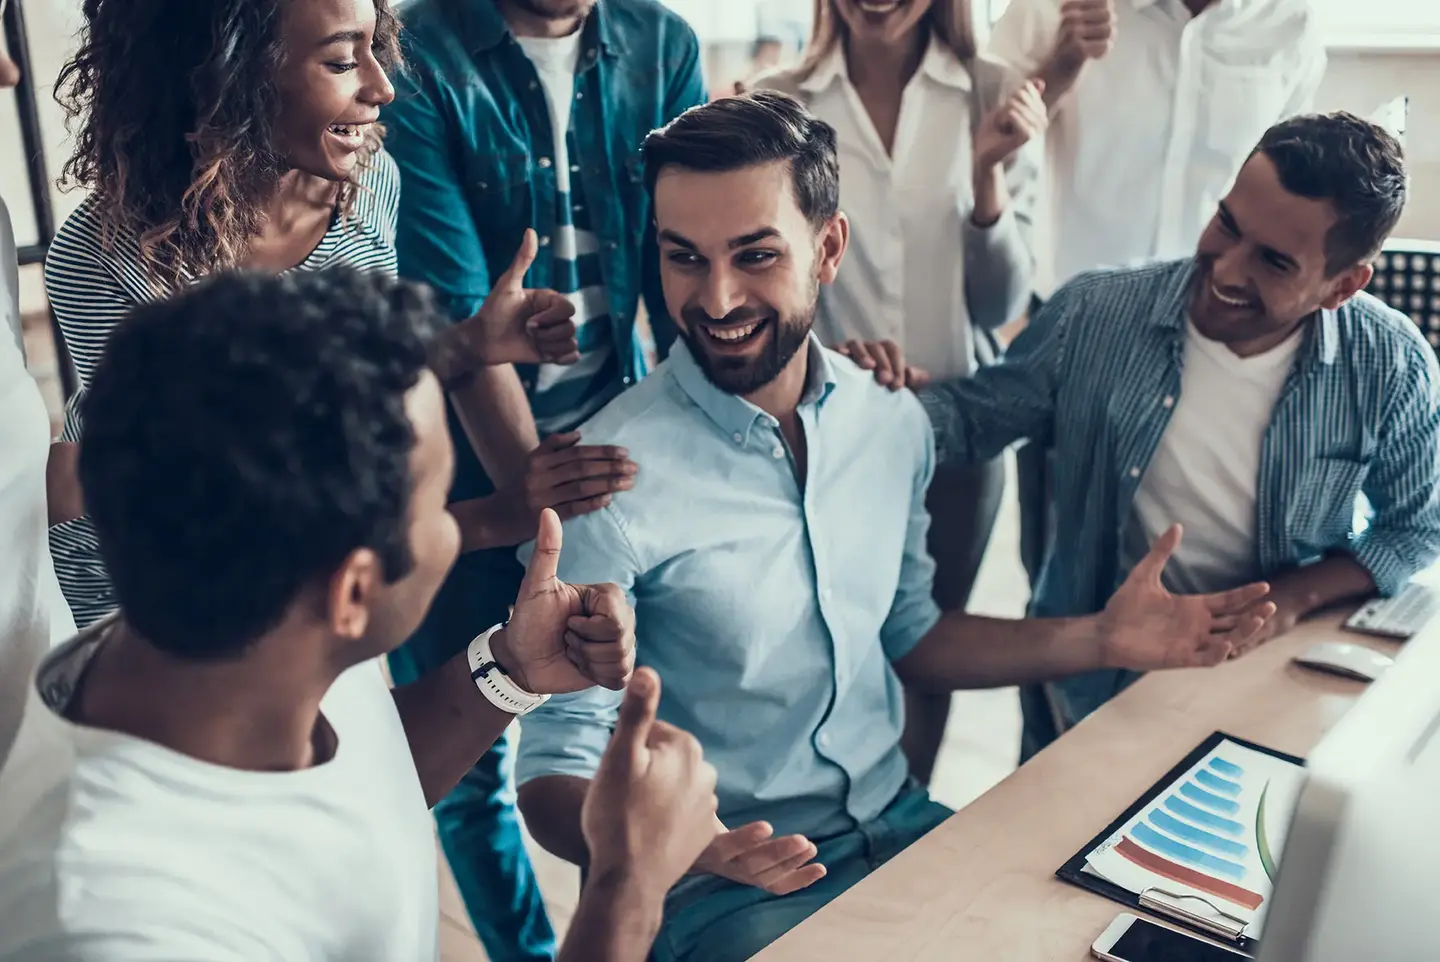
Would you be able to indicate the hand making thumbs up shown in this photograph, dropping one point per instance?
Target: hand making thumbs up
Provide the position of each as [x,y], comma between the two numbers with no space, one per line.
[516,325]
[562,637]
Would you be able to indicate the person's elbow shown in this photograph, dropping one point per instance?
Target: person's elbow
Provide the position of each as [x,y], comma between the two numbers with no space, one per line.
[63,497]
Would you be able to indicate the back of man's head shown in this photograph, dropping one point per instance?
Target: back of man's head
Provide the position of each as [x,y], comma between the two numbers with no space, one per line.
[1356,165]
[757,128]
[242,439]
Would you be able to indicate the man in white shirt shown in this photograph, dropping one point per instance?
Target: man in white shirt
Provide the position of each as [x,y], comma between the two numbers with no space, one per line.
[1155,104]
[219,771]
[33,613]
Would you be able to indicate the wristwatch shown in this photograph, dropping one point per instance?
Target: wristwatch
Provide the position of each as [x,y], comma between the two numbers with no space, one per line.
[493,681]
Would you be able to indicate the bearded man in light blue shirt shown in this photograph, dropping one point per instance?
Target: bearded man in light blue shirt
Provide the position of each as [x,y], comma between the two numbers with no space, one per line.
[773,547]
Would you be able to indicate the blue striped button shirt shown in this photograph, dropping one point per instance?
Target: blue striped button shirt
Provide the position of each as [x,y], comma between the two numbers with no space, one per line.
[1096,375]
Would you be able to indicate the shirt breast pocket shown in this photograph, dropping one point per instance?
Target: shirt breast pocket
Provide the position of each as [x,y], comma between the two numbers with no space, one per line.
[1242,102]
[501,179]
[1322,503]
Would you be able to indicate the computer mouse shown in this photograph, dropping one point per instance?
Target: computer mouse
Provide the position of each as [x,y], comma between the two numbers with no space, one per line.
[1345,659]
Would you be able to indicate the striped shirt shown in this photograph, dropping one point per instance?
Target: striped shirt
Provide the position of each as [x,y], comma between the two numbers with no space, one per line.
[93,286]
[1097,375]
[562,396]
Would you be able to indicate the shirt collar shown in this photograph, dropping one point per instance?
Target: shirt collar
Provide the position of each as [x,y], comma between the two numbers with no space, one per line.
[733,414]
[939,64]
[486,28]
[1171,308]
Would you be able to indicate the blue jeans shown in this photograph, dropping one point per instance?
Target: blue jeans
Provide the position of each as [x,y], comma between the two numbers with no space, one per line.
[710,919]
[478,823]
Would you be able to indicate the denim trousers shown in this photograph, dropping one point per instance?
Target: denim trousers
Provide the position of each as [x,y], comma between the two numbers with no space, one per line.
[710,919]
[478,823]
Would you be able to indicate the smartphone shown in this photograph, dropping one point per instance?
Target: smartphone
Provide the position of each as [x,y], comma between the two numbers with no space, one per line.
[1133,939]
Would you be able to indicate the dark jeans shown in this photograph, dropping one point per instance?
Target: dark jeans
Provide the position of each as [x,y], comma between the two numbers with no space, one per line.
[478,823]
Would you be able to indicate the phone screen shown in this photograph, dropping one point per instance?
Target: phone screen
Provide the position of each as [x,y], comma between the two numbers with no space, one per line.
[1146,942]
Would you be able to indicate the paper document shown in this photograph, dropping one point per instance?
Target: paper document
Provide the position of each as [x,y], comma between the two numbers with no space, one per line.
[1212,838]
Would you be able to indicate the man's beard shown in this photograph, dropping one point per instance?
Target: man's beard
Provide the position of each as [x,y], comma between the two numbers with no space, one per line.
[746,375]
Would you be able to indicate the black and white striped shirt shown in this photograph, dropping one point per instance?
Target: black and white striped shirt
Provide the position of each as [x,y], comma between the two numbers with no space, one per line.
[93,286]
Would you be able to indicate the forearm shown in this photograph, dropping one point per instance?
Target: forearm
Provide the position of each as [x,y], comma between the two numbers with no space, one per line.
[1336,579]
[551,806]
[449,725]
[616,920]
[999,270]
[966,651]
[495,413]
[1060,72]
[63,498]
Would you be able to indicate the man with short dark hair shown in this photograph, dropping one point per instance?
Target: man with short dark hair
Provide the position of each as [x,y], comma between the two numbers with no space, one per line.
[218,771]
[774,547]
[1252,393]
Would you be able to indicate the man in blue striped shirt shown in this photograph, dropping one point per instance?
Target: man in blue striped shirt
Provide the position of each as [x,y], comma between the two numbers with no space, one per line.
[1252,394]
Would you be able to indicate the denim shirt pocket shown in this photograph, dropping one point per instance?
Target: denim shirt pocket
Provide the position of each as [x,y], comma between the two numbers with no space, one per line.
[501,179]
[1321,510]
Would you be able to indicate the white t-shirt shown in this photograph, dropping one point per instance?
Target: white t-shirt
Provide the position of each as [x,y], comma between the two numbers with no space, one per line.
[1205,471]
[114,849]
[570,241]
[33,613]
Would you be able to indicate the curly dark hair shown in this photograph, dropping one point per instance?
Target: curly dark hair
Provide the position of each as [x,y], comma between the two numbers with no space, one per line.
[242,438]
[1356,165]
[175,103]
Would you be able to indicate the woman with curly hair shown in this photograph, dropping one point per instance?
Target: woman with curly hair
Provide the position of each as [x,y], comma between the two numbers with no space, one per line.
[211,134]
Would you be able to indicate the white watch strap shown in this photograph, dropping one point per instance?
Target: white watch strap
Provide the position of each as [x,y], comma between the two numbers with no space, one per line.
[492,681]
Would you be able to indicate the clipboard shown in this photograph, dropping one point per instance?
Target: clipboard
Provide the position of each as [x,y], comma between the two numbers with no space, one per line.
[1189,911]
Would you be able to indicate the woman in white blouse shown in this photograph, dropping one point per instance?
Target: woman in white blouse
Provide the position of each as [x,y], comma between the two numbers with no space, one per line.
[939,171]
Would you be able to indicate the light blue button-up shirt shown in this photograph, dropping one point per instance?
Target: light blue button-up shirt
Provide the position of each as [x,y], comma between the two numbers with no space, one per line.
[772,614]
[1096,375]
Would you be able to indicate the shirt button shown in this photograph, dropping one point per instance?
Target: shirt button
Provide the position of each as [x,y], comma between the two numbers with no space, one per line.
[545,240]
[574,168]
[534,84]
[544,161]
[737,437]
[626,379]
[1134,472]
[579,95]
[1169,402]
[778,451]
[611,245]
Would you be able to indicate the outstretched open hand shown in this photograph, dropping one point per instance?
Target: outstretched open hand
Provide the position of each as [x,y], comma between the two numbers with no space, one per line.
[1146,627]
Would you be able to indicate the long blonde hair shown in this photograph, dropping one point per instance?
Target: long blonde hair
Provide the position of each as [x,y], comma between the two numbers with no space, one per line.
[949,21]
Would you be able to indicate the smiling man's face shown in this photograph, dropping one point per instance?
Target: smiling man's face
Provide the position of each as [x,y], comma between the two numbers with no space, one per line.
[741,267]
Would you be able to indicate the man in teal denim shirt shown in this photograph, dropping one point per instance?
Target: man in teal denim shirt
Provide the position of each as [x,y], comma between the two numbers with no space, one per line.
[474,130]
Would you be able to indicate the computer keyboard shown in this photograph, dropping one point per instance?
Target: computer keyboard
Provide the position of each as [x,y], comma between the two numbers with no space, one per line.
[1400,617]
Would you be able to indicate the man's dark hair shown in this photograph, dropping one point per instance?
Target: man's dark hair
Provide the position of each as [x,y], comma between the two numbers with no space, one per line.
[243,438]
[1356,165]
[746,131]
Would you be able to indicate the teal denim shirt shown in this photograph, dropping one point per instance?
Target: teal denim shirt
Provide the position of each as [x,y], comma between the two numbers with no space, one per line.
[471,132]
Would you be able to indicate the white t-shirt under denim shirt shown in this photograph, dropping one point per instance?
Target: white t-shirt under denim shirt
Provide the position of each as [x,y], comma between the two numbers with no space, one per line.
[116,849]
[33,613]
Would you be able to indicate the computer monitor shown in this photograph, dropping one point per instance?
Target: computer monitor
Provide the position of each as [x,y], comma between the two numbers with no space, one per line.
[1360,871]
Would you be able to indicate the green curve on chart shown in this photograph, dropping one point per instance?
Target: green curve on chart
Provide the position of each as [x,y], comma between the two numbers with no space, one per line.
[1267,859]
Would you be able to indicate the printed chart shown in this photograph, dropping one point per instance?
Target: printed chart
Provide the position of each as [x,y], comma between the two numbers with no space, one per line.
[1214,835]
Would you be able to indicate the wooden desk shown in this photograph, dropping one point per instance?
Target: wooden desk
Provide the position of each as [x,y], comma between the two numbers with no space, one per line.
[983,886]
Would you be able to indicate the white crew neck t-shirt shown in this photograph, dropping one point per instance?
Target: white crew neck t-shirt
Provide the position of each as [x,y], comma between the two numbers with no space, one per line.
[115,849]
[33,613]
[1206,469]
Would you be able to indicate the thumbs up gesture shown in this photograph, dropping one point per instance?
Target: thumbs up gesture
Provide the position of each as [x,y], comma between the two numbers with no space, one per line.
[520,326]
[650,808]
[562,637]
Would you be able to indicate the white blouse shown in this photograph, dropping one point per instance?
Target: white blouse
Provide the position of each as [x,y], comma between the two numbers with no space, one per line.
[918,272]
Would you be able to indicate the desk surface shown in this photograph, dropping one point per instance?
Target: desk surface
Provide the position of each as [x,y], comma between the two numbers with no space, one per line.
[983,886]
